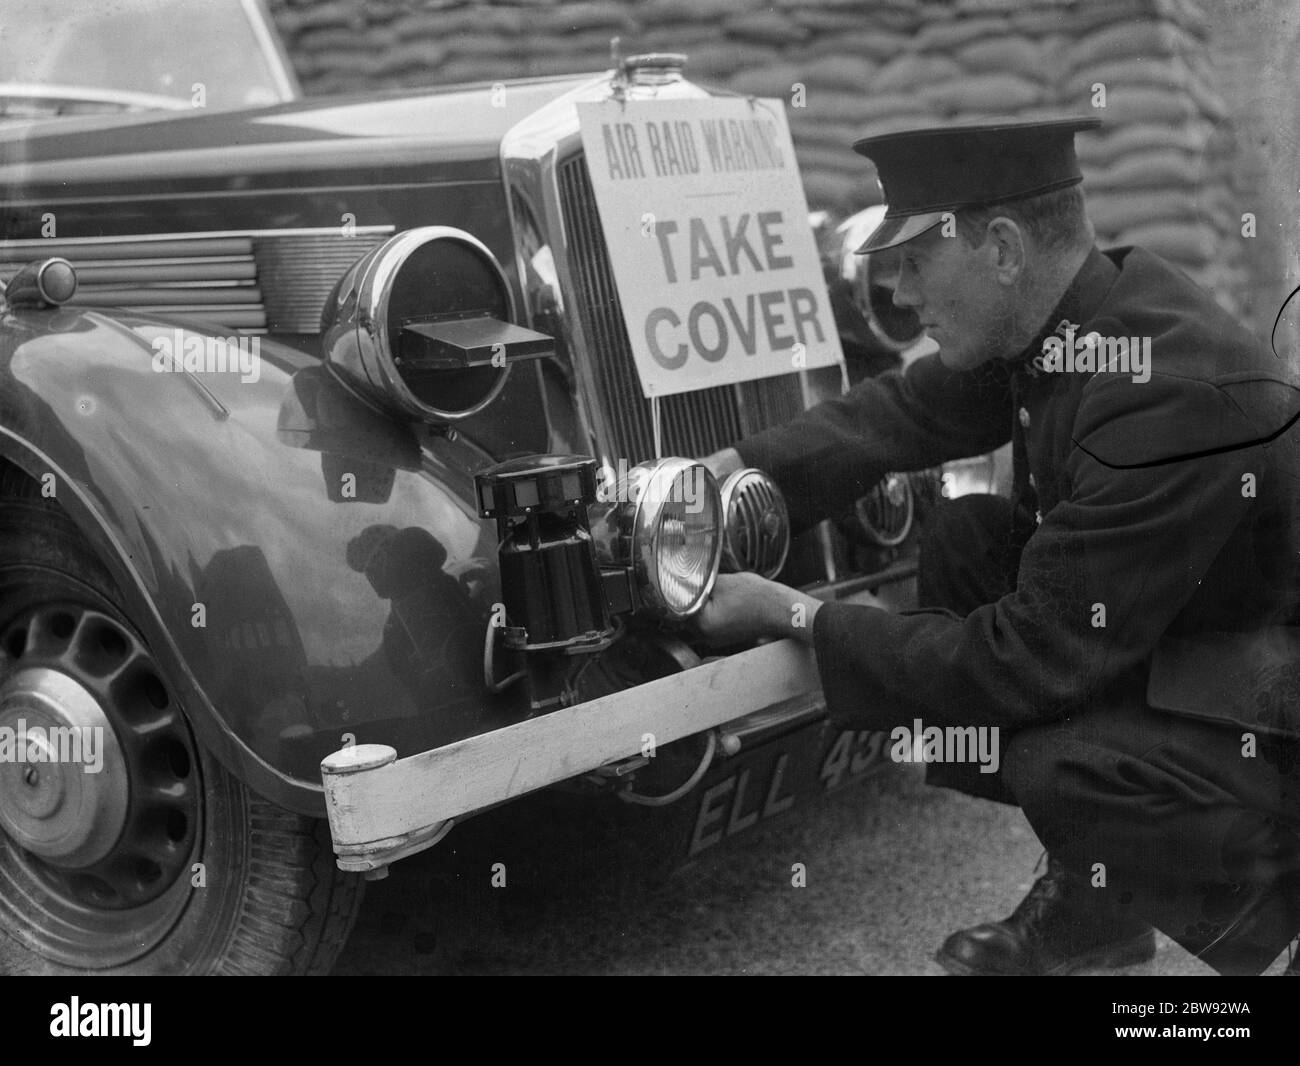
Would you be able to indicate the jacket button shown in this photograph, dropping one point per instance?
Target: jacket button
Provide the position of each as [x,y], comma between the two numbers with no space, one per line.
[1038,518]
[1024,417]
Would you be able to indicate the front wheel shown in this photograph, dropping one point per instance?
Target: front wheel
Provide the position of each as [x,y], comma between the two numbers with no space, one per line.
[125,847]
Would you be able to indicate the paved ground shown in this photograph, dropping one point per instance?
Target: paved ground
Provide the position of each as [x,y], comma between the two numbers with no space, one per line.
[892,868]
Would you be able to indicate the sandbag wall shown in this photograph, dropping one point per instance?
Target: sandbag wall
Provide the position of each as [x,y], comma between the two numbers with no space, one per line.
[1159,174]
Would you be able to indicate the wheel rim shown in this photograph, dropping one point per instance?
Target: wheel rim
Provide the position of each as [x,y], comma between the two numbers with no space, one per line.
[94,867]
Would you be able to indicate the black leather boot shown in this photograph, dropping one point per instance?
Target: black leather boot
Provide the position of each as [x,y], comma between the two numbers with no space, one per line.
[1060,926]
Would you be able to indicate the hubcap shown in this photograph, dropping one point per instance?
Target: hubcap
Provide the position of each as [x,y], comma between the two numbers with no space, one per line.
[63,781]
[100,790]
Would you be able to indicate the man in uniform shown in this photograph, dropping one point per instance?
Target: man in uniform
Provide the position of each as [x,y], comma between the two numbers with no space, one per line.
[1127,620]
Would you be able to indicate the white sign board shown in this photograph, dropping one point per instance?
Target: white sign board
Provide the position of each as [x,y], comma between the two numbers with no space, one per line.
[707,228]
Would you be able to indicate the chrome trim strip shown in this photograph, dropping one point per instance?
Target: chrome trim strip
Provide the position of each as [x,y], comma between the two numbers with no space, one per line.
[135,100]
[185,235]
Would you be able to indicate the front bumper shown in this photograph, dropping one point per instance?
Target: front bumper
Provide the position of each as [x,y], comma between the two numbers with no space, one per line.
[382,808]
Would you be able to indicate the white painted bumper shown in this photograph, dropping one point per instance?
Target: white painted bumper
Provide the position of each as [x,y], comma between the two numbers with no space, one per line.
[382,808]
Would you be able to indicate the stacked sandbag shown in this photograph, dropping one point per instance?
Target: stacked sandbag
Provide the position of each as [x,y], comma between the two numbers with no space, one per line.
[1158,174]
[333,44]
[818,56]
[893,66]
[342,45]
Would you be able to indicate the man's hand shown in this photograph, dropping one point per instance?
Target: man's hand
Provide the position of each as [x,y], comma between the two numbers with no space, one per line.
[746,607]
[721,463]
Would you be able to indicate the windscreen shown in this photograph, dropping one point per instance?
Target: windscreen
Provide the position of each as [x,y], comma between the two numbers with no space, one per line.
[147,48]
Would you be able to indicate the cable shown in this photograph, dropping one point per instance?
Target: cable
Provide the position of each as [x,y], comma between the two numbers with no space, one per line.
[628,796]
[489,664]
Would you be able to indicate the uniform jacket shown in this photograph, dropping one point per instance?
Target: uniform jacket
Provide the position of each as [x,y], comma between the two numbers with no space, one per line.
[1162,552]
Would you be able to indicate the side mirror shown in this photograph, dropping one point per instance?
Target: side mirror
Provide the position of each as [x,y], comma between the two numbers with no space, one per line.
[41,284]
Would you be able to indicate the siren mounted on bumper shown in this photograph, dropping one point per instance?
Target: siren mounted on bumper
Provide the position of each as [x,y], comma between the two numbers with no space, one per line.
[575,556]
[552,589]
[422,324]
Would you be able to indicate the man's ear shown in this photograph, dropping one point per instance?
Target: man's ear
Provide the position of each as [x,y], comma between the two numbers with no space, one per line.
[1006,249]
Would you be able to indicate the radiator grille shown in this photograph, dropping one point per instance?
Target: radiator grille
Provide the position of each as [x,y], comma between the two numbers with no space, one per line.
[252,282]
[693,423]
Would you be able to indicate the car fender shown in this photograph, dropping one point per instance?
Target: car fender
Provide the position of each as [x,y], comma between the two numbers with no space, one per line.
[310,572]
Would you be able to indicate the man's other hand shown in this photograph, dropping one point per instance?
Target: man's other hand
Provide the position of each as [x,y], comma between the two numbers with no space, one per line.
[746,607]
[721,463]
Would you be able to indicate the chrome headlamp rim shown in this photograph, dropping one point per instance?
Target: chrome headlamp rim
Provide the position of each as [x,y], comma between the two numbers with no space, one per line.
[372,281]
[655,494]
[624,529]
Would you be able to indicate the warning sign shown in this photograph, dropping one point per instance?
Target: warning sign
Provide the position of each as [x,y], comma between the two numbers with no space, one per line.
[707,227]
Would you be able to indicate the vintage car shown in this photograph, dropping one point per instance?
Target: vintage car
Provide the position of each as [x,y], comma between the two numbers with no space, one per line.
[333,511]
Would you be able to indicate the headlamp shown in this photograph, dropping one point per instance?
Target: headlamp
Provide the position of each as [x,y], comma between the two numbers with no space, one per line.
[663,520]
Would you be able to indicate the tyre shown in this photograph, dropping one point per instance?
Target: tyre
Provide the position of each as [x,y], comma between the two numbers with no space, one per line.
[161,861]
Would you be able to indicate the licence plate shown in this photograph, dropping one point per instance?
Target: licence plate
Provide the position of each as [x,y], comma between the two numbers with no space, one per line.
[779,775]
